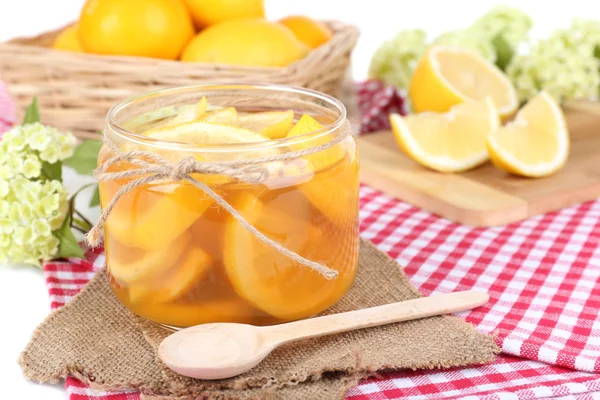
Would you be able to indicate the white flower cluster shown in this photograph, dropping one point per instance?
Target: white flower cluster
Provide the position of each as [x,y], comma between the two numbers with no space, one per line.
[31,205]
[565,64]
[510,23]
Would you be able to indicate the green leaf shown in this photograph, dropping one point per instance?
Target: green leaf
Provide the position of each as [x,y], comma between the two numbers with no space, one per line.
[83,223]
[32,113]
[504,52]
[85,157]
[74,195]
[69,246]
[52,171]
[95,200]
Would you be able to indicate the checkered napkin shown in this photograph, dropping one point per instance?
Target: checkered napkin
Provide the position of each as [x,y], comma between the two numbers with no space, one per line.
[543,277]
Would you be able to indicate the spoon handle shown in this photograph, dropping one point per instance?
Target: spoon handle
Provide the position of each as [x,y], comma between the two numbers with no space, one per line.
[386,314]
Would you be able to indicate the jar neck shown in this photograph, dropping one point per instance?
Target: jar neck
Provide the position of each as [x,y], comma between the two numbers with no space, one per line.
[292,147]
[127,122]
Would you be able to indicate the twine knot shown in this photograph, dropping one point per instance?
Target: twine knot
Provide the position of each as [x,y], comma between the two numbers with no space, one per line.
[152,167]
[183,168]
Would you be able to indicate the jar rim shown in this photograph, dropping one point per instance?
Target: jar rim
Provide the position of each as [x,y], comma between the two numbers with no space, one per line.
[140,139]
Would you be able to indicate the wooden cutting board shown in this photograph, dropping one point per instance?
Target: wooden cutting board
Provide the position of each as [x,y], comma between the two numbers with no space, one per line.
[486,196]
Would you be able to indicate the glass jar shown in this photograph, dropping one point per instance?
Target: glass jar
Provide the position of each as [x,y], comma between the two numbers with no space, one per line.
[177,258]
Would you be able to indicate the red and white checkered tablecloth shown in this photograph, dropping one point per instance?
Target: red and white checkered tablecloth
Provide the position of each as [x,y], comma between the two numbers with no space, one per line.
[543,277]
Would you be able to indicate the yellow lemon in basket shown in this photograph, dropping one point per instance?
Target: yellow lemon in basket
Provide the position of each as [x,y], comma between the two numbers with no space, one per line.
[68,40]
[210,12]
[250,42]
[144,28]
[309,31]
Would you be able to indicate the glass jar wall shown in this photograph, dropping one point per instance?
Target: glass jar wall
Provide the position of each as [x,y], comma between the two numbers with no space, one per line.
[178,258]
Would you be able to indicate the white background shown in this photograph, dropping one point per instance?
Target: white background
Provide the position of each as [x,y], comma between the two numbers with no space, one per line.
[23,296]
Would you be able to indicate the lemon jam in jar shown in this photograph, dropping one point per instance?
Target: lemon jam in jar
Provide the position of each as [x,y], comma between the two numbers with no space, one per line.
[178,257]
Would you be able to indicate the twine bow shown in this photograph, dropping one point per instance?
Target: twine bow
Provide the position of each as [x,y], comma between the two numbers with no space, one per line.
[152,167]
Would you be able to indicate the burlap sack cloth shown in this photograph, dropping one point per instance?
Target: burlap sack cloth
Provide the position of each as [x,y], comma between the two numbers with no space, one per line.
[98,341]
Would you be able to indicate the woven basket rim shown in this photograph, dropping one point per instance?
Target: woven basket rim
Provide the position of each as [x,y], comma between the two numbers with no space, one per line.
[76,90]
[343,32]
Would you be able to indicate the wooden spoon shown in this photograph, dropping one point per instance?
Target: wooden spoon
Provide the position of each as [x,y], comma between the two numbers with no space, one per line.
[223,350]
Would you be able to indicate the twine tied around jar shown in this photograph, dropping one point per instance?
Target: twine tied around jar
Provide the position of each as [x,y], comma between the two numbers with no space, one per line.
[152,167]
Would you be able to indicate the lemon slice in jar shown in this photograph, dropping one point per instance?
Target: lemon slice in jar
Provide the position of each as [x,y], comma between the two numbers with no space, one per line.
[209,133]
[327,195]
[334,192]
[262,275]
[187,113]
[224,116]
[129,266]
[173,281]
[324,158]
[272,124]
[193,113]
[201,132]
[151,216]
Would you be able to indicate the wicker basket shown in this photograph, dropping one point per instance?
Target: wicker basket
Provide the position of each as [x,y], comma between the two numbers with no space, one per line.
[76,90]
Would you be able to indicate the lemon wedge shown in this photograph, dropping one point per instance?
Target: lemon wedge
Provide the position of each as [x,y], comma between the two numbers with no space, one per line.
[535,143]
[450,142]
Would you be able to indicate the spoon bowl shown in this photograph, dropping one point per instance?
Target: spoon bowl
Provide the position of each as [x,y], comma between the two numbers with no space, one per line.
[214,351]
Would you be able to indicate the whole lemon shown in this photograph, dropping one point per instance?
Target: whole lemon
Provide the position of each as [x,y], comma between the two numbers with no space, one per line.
[210,12]
[251,42]
[145,28]
[68,39]
[311,32]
